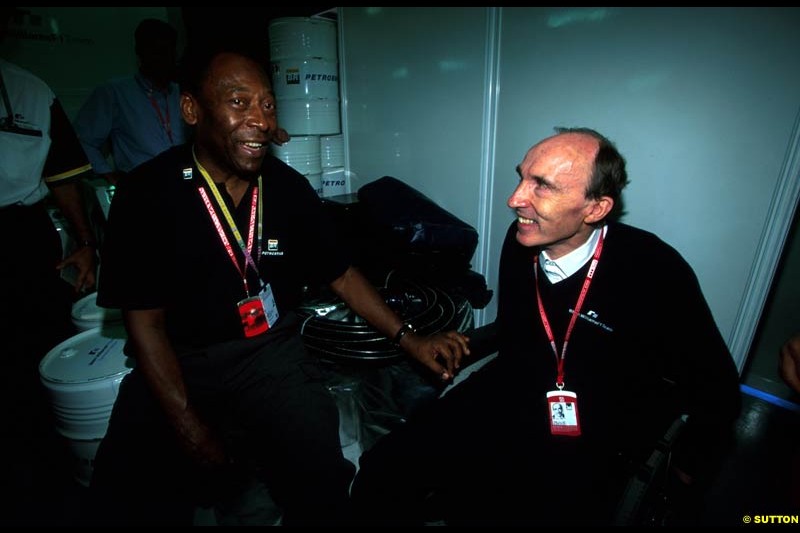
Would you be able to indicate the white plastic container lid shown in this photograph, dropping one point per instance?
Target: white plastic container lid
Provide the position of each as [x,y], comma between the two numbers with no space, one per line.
[88,356]
[86,314]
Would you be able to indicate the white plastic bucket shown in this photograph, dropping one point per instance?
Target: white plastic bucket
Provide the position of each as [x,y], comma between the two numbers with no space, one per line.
[104,191]
[309,117]
[335,181]
[84,452]
[346,396]
[302,37]
[305,77]
[70,272]
[86,314]
[64,231]
[300,153]
[82,376]
[331,150]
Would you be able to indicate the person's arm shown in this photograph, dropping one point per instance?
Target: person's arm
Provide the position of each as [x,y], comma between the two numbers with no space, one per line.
[93,126]
[158,362]
[789,365]
[65,167]
[441,352]
[69,199]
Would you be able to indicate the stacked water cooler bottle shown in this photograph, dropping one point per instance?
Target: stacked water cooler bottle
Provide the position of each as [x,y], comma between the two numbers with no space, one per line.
[335,180]
[305,78]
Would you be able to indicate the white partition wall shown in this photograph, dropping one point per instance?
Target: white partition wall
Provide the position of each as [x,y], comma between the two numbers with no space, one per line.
[74,49]
[414,89]
[703,103]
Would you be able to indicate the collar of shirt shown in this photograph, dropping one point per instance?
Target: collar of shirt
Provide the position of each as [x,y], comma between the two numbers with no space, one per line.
[560,269]
[148,87]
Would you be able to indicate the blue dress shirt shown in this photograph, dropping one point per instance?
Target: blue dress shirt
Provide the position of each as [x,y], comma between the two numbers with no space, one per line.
[139,121]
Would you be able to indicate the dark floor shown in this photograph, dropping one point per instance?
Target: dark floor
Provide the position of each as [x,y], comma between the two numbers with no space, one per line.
[755,479]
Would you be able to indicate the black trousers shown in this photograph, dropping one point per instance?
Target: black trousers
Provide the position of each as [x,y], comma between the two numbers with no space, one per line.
[267,399]
[35,308]
[36,303]
[482,455]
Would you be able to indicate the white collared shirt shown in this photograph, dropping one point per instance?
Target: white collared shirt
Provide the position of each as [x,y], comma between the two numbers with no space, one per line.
[560,269]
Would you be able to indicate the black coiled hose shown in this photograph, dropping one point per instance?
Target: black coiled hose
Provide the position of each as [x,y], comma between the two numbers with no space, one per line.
[332,331]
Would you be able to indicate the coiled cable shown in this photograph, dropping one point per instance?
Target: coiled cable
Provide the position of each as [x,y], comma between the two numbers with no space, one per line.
[331,330]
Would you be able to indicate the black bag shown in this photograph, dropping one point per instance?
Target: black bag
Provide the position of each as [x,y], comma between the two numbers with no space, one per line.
[405,224]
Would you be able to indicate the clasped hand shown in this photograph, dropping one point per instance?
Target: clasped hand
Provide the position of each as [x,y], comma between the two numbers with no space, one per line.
[440,352]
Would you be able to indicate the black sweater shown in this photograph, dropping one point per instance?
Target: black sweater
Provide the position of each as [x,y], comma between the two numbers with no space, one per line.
[644,349]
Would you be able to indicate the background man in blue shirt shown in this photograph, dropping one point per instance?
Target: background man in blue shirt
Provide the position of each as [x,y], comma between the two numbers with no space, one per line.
[138,115]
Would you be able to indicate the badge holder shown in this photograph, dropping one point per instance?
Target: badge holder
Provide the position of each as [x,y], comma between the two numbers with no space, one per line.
[270,307]
[254,320]
[562,409]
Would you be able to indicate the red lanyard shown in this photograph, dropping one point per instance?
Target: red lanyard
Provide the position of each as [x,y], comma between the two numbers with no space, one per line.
[224,238]
[164,121]
[576,311]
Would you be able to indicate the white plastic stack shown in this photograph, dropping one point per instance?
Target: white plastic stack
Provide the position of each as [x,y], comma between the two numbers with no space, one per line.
[64,230]
[86,314]
[305,74]
[331,151]
[302,154]
[82,376]
[70,272]
[104,192]
[335,180]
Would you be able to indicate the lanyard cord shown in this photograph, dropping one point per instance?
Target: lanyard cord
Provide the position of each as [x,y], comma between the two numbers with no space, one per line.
[546,323]
[149,90]
[165,122]
[256,212]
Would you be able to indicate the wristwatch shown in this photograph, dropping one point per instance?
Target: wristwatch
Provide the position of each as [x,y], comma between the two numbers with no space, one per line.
[405,328]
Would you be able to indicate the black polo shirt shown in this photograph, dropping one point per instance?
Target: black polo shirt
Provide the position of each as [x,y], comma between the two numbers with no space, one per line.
[162,250]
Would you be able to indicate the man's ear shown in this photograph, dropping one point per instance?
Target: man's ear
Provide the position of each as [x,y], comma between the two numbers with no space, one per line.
[599,209]
[189,109]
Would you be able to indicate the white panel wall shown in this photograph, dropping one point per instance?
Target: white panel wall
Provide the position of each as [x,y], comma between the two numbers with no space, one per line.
[701,101]
[414,98]
[74,49]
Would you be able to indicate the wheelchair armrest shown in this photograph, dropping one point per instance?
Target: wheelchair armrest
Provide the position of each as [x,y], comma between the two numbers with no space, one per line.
[647,499]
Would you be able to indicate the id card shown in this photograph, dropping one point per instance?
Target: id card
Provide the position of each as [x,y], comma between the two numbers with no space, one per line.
[270,307]
[254,320]
[562,408]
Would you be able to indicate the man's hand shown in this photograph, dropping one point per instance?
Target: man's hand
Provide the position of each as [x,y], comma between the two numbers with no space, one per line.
[217,478]
[84,259]
[281,136]
[789,365]
[199,442]
[440,352]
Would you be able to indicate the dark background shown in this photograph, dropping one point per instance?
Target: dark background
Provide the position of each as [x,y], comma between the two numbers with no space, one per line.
[241,26]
